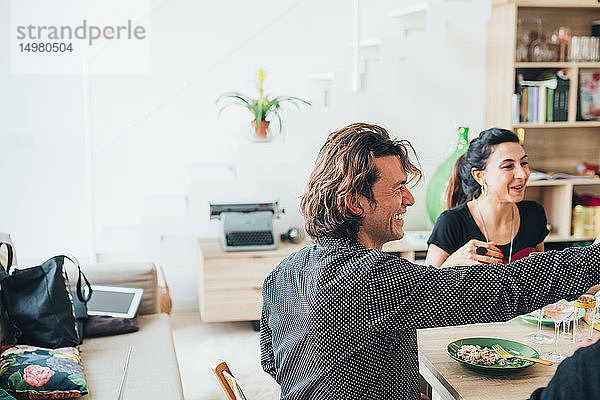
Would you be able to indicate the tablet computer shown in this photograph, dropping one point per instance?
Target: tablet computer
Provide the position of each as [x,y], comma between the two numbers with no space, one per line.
[114,301]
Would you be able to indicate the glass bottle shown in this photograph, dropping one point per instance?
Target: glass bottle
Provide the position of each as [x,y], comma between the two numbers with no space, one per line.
[435,199]
[586,305]
[539,48]
[522,50]
[563,35]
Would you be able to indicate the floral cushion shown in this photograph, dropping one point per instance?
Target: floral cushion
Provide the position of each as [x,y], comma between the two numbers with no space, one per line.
[28,372]
[5,396]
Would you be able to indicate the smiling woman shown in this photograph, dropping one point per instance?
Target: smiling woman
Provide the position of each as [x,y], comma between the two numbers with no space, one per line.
[489,220]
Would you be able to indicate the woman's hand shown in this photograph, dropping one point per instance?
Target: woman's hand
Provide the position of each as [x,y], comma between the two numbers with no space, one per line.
[467,254]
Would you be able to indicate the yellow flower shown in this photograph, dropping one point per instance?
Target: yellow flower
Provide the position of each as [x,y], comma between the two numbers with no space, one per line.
[261,78]
[71,356]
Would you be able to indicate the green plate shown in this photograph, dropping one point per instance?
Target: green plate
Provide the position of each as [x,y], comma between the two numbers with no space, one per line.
[548,321]
[512,364]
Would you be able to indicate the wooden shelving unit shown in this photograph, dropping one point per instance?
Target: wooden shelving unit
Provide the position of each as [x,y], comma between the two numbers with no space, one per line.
[557,65]
[557,198]
[551,146]
[565,124]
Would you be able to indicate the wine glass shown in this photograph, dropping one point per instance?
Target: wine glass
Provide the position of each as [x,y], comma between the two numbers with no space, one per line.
[559,311]
[566,329]
[538,337]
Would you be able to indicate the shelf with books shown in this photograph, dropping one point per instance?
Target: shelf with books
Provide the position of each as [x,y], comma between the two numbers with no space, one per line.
[558,3]
[564,182]
[558,65]
[563,140]
[553,238]
[561,124]
[543,96]
[556,195]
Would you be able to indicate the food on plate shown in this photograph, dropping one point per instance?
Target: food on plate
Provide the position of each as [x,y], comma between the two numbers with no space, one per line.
[585,301]
[480,356]
[535,314]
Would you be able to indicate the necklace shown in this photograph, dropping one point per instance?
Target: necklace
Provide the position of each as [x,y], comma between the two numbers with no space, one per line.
[512,229]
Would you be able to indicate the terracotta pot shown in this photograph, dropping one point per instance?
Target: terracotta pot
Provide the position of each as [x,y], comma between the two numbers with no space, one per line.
[260,131]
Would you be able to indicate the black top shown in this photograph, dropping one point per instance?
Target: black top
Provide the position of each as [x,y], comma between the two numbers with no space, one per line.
[575,378]
[340,321]
[456,227]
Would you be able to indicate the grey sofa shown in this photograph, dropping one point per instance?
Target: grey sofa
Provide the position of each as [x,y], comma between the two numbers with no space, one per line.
[153,371]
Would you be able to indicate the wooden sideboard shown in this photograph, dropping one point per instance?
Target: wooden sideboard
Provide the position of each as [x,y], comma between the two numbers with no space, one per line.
[230,282]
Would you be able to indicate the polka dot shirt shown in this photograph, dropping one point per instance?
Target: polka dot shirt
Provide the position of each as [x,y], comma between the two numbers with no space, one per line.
[340,321]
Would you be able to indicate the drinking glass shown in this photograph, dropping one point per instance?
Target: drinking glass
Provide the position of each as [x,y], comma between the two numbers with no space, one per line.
[581,331]
[575,51]
[566,330]
[597,296]
[523,40]
[559,311]
[538,337]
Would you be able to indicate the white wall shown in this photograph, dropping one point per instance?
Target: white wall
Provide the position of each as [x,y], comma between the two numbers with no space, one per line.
[158,142]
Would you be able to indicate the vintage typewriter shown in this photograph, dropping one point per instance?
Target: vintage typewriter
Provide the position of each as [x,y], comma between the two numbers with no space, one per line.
[246,226]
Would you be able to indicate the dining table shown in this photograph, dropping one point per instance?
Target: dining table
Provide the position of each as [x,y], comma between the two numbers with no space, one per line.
[452,380]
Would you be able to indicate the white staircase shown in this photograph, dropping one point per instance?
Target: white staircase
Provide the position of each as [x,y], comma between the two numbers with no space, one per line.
[171,222]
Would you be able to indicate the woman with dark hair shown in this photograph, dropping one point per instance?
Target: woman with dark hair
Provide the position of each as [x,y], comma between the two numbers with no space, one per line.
[488,221]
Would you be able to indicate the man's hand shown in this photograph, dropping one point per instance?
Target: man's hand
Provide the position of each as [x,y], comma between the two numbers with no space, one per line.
[593,290]
[424,397]
[467,255]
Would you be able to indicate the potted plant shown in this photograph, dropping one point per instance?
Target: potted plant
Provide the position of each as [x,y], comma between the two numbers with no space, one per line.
[263,108]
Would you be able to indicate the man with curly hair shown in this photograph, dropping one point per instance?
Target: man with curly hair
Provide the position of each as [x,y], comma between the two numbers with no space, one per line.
[340,318]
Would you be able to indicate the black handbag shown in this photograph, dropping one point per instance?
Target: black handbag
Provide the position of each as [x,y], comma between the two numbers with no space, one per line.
[39,305]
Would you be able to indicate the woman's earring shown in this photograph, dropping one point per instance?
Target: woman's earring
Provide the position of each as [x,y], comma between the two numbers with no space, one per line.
[484,189]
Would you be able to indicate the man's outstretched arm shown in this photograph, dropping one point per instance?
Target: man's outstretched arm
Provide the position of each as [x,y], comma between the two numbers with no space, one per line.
[406,295]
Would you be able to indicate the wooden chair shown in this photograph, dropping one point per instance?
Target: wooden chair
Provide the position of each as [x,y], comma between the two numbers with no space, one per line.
[228,382]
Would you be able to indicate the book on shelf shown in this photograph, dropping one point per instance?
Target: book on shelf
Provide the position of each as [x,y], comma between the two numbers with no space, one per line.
[551,175]
[547,83]
[532,106]
[541,114]
[524,103]
[561,97]
[544,100]
[516,108]
[550,105]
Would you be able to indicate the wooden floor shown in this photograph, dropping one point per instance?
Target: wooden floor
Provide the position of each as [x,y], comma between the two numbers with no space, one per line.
[198,343]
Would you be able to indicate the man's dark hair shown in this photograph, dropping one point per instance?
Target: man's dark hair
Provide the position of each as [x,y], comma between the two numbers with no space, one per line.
[344,170]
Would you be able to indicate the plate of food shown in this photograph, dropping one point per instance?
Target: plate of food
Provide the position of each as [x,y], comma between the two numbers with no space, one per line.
[476,353]
[546,319]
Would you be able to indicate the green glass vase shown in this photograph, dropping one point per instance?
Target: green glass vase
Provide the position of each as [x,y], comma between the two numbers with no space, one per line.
[436,190]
